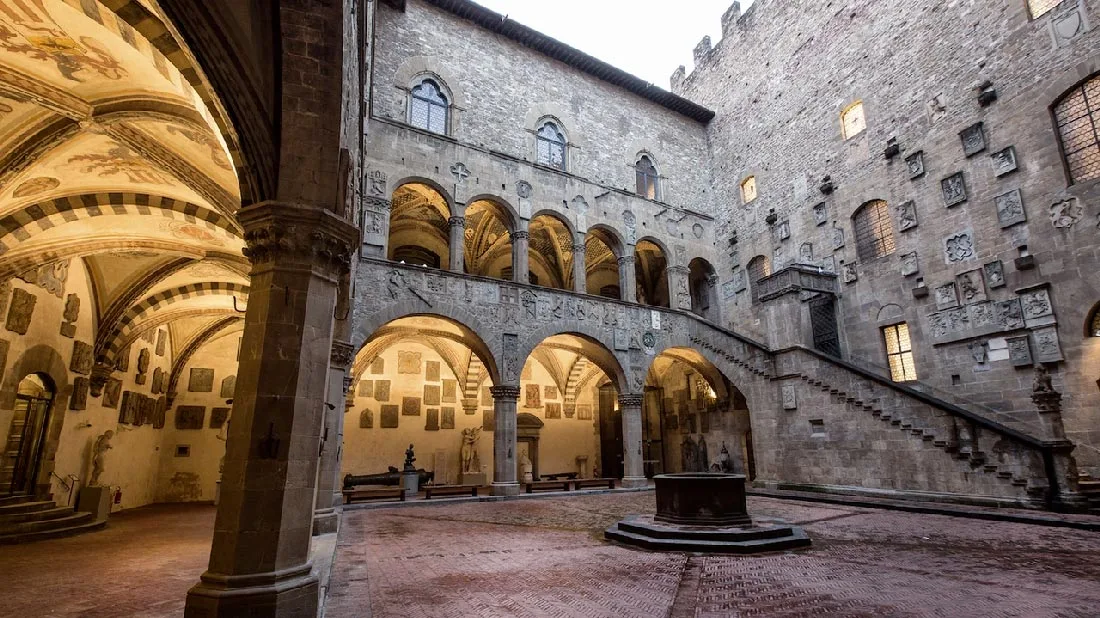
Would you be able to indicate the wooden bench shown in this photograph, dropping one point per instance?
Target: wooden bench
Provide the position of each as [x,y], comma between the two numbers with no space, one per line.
[449,490]
[351,495]
[586,483]
[569,476]
[548,485]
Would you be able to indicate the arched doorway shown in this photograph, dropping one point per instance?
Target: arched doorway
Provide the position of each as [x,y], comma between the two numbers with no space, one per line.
[651,273]
[26,438]
[701,282]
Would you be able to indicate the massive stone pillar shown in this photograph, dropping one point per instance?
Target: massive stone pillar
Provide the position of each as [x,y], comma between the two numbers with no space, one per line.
[628,286]
[326,509]
[260,556]
[633,470]
[580,273]
[505,399]
[520,242]
[457,244]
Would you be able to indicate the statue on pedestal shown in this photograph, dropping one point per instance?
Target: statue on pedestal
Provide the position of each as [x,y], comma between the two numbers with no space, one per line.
[409,458]
[470,461]
[99,451]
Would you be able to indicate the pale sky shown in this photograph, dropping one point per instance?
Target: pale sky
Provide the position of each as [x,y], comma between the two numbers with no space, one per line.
[648,38]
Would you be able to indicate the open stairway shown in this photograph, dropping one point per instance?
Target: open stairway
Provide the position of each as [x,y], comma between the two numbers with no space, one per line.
[25,518]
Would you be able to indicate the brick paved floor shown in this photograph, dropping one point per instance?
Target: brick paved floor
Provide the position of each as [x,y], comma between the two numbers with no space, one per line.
[546,557]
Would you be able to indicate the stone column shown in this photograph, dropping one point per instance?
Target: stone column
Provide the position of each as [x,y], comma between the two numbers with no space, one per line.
[457,244]
[519,255]
[580,273]
[715,310]
[679,293]
[1048,401]
[260,555]
[505,399]
[326,508]
[628,284]
[633,470]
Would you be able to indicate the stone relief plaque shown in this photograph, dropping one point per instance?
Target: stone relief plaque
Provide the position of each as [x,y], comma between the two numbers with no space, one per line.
[531,396]
[447,418]
[1047,348]
[958,247]
[158,374]
[201,380]
[381,390]
[982,318]
[672,422]
[973,139]
[828,264]
[838,238]
[1004,161]
[584,412]
[388,416]
[82,359]
[366,419]
[729,290]
[1010,208]
[122,361]
[228,387]
[218,416]
[954,189]
[1036,306]
[190,417]
[431,371]
[488,420]
[431,395]
[790,397]
[378,366]
[1065,213]
[70,315]
[160,407]
[20,311]
[549,392]
[946,296]
[431,422]
[914,163]
[365,388]
[994,274]
[142,366]
[740,281]
[907,215]
[850,274]
[806,253]
[79,399]
[450,391]
[1010,315]
[1068,21]
[1019,351]
[553,410]
[909,264]
[821,213]
[513,364]
[408,362]
[162,342]
[111,391]
[783,230]
[410,406]
[971,287]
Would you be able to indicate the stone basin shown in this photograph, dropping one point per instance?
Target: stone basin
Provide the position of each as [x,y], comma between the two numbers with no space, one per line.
[702,499]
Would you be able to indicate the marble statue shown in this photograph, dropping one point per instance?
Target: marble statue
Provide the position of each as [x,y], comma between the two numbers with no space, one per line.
[223,435]
[470,462]
[525,467]
[99,451]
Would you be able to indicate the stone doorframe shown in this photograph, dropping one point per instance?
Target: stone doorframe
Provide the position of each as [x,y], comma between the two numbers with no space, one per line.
[527,430]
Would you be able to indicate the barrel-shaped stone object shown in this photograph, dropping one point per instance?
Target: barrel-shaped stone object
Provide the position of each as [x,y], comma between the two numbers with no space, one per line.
[702,499]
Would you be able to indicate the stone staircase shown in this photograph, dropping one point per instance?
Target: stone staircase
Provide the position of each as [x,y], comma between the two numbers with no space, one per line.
[25,518]
[1090,489]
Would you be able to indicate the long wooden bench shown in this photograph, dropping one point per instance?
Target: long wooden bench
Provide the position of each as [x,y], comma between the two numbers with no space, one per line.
[353,494]
[586,483]
[569,476]
[548,485]
[449,490]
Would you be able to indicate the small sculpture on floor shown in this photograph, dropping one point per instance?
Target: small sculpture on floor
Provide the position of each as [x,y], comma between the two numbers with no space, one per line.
[470,462]
[724,463]
[99,452]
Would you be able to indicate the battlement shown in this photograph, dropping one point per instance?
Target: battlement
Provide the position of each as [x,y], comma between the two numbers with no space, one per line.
[733,21]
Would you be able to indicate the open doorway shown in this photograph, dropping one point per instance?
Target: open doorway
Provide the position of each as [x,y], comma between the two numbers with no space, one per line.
[26,439]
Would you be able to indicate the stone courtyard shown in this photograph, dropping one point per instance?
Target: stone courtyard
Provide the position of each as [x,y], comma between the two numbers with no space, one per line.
[546,557]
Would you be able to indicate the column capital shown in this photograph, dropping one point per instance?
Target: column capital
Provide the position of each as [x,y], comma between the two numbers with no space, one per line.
[342,354]
[679,270]
[457,221]
[577,248]
[630,400]
[505,392]
[283,232]
[625,260]
[520,235]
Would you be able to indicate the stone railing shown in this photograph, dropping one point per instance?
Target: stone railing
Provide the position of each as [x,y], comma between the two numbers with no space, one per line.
[796,278]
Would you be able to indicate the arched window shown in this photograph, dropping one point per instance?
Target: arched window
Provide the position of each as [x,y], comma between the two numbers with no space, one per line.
[1038,8]
[874,236]
[852,120]
[647,177]
[428,107]
[1094,322]
[758,268]
[748,189]
[1077,114]
[551,146]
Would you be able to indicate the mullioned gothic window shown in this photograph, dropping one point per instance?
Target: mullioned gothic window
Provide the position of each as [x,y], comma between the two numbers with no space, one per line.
[1038,8]
[1077,115]
[646,174]
[748,189]
[852,120]
[550,142]
[428,107]
[874,236]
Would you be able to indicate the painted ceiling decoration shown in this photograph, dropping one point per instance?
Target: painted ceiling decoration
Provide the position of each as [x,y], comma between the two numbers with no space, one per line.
[114,152]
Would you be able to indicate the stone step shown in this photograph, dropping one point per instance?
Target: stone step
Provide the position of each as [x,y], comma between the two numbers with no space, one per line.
[52,533]
[15,499]
[51,512]
[68,520]
[25,507]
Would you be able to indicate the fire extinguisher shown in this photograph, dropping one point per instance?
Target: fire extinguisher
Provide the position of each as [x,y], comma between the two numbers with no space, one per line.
[118,495]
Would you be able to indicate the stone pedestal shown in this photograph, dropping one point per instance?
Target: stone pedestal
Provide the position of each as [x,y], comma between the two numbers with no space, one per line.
[504,440]
[633,465]
[95,500]
[260,556]
[473,478]
[410,482]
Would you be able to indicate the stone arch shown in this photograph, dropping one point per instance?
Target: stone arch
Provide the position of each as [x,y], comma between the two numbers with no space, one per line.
[511,215]
[703,285]
[435,185]
[597,352]
[1092,321]
[489,244]
[419,228]
[560,114]
[44,360]
[367,326]
[652,273]
[662,245]
[550,250]
[183,356]
[617,242]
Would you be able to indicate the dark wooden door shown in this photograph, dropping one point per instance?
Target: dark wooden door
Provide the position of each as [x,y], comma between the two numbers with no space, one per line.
[611,434]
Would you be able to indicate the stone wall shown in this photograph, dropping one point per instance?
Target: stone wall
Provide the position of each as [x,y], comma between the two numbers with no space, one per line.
[779,80]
